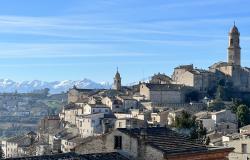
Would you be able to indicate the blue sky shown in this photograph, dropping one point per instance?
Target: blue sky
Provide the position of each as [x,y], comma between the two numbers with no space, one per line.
[75,39]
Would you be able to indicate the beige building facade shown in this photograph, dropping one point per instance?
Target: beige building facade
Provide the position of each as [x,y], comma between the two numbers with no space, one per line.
[162,93]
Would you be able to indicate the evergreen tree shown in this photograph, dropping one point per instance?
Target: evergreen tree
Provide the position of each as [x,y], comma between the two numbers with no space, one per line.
[188,122]
[242,114]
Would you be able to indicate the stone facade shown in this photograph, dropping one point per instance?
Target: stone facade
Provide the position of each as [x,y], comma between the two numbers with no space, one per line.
[18,146]
[162,93]
[159,119]
[129,123]
[117,81]
[234,46]
[139,147]
[49,122]
[128,102]
[90,125]
[79,95]
[160,79]
[115,105]
[241,144]
[232,70]
[187,75]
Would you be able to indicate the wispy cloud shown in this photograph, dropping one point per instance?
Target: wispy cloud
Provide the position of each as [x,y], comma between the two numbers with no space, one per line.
[79,27]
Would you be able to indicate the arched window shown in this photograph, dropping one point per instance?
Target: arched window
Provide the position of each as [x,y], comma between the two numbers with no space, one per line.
[231,42]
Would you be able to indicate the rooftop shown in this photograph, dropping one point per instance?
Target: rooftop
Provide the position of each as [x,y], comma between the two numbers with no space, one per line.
[247,127]
[98,106]
[219,64]
[163,87]
[126,97]
[94,156]
[167,140]
[21,141]
[71,106]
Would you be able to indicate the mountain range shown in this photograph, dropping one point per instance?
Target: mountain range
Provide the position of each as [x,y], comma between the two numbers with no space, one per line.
[8,85]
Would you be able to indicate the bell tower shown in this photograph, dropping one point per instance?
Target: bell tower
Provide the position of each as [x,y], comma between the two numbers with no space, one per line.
[234,46]
[117,81]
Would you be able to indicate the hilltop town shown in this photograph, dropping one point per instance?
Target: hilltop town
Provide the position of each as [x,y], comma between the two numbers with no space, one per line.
[192,114]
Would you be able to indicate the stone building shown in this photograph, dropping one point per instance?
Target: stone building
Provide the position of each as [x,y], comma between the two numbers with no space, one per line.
[172,115]
[163,93]
[159,119]
[19,145]
[245,129]
[95,108]
[241,143]
[129,123]
[187,75]
[128,102]
[117,81]
[94,124]
[70,112]
[160,79]
[80,95]
[49,122]
[115,105]
[225,121]
[224,116]
[152,143]
[232,70]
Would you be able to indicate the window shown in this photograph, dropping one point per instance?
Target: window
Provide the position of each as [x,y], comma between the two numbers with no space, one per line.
[120,124]
[244,148]
[80,123]
[118,142]
[231,42]
[106,110]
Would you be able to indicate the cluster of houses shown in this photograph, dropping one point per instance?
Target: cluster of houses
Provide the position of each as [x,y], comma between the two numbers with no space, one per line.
[125,120]
[135,122]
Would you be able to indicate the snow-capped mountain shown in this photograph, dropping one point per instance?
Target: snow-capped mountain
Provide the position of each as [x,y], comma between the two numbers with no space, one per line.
[7,85]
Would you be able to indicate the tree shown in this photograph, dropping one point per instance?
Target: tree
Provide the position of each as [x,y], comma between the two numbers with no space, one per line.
[224,90]
[188,122]
[198,132]
[192,96]
[242,114]
[220,93]
[185,120]
[236,103]
[222,82]
[217,105]
[207,141]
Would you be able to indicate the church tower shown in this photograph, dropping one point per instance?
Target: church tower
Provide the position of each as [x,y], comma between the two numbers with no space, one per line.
[117,81]
[234,46]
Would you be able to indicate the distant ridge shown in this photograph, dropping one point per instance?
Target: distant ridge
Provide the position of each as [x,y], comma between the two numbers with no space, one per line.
[8,85]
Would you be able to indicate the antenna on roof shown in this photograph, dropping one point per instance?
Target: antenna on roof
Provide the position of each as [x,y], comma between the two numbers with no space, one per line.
[143,78]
